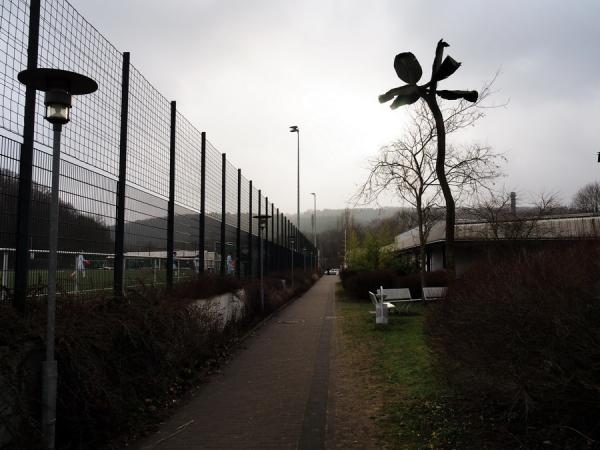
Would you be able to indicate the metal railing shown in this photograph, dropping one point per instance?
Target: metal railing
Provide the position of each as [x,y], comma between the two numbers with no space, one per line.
[136,175]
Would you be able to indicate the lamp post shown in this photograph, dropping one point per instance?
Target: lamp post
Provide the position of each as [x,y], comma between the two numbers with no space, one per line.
[295,129]
[304,257]
[262,223]
[292,244]
[59,86]
[315,226]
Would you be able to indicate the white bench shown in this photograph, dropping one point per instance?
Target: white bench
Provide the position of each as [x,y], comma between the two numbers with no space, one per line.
[402,295]
[398,294]
[377,299]
[381,308]
[434,293]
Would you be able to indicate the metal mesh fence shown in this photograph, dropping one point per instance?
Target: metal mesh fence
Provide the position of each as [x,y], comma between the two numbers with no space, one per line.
[245,205]
[231,185]
[213,181]
[9,186]
[90,152]
[255,210]
[14,27]
[145,222]
[188,142]
[148,136]
[67,41]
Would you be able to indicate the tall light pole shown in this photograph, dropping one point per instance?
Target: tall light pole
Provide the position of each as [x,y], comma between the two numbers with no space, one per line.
[315,227]
[262,223]
[59,86]
[295,129]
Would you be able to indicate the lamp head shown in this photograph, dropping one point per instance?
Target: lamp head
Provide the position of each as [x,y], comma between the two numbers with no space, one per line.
[59,86]
[294,129]
[58,106]
[262,220]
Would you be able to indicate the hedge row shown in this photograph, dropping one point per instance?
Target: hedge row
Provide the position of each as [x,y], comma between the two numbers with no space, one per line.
[521,340]
[359,283]
[121,366]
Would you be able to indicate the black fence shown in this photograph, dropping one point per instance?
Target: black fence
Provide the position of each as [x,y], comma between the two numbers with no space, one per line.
[144,196]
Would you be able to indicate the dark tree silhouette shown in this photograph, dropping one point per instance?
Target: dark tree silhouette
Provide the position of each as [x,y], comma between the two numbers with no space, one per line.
[409,70]
[77,230]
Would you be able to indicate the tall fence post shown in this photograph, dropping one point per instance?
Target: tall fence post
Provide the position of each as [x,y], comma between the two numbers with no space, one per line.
[285,232]
[250,273]
[26,166]
[119,274]
[272,244]
[223,212]
[277,243]
[267,256]
[260,255]
[202,225]
[238,231]
[171,208]
[287,242]
[4,273]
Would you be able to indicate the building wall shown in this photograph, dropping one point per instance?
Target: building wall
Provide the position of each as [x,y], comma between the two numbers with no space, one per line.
[466,256]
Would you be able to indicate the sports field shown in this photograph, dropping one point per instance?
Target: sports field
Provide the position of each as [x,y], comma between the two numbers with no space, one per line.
[93,280]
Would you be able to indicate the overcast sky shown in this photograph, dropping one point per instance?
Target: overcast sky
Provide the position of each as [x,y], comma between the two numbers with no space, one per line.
[244,71]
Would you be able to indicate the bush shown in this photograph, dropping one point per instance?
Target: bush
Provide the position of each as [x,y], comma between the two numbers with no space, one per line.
[119,364]
[206,286]
[105,362]
[122,365]
[413,281]
[275,294]
[358,284]
[522,338]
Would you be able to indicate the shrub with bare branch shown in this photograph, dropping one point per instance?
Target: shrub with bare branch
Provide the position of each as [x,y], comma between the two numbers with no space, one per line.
[502,223]
[587,199]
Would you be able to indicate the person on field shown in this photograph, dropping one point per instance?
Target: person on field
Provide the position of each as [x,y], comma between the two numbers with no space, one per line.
[80,263]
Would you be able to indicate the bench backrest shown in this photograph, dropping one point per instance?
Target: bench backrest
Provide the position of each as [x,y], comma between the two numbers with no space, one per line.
[373,298]
[431,293]
[397,294]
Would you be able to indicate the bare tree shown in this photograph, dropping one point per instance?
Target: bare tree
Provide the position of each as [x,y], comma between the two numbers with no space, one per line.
[587,199]
[407,167]
[499,222]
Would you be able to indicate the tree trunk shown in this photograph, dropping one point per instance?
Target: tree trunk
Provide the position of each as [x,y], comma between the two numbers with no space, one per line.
[441,175]
[422,244]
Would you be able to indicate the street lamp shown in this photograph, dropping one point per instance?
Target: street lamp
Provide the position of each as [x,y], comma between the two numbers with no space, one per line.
[59,86]
[295,129]
[292,243]
[304,257]
[262,223]
[315,226]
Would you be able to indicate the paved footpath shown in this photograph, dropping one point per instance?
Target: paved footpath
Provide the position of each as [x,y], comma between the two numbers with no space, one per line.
[274,394]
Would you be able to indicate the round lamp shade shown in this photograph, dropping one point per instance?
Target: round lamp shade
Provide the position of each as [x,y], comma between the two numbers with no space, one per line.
[49,79]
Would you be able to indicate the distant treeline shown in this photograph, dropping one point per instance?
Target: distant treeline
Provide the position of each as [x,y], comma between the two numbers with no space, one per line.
[77,230]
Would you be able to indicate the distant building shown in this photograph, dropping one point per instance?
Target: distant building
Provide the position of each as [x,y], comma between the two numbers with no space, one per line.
[475,240]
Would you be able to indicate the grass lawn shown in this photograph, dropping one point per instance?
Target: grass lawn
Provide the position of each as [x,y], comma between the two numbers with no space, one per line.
[99,279]
[414,409]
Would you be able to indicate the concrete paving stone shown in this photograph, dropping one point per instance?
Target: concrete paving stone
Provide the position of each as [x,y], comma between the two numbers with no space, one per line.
[274,394]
